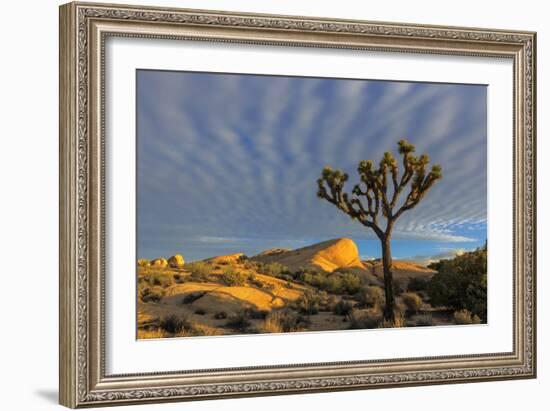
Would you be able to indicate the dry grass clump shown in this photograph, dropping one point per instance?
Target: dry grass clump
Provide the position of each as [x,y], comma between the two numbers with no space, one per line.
[371,318]
[175,326]
[199,271]
[308,303]
[412,301]
[465,317]
[370,296]
[283,321]
[150,294]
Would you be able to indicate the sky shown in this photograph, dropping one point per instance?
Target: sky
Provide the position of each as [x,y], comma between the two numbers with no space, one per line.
[228,163]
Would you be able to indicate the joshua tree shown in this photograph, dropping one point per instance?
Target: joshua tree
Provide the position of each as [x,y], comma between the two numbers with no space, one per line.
[371,197]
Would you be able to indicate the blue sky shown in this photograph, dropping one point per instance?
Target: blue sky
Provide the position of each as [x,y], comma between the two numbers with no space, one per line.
[229,163]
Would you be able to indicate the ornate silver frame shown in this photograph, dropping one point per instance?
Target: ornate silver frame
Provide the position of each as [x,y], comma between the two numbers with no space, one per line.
[83,30]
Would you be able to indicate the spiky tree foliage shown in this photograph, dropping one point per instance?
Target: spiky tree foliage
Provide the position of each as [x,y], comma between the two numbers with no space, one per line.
[377,197]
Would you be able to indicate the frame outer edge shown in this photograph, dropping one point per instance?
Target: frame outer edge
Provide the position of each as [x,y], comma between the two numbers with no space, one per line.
[68,350]
[77,385]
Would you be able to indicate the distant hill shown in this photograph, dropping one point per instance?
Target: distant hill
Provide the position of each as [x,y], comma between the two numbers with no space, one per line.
[402,270]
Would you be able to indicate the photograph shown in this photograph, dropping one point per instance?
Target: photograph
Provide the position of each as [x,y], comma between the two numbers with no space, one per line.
[277,204]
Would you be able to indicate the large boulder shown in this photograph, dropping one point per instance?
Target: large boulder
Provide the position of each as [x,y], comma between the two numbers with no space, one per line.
[176,261]
[159,262]
[327,256]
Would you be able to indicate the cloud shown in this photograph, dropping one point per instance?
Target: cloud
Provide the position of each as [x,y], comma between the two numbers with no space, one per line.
[234,157]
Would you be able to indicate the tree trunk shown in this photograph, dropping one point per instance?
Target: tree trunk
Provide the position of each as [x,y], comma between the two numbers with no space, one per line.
[389,313]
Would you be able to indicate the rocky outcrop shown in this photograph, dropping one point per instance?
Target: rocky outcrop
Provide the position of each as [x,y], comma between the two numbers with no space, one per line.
[159,262]
[176,261]
[326,256]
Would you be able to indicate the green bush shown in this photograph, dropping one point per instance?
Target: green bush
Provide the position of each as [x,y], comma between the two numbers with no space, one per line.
[399,286]
[371,296]
[308,303]
[351,283]
[412,301]
[273,269]
[343,308]
[232,277]
[461,283]
[242,258]
[417,284]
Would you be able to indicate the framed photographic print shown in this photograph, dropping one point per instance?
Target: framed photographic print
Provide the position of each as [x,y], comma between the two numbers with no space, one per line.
[260,204]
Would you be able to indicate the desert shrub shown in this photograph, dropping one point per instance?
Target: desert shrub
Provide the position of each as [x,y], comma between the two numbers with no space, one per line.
[343,308]
[198,329]
[242,258]
[238,321]
[199,271]
[371,318]
[351,283]
[465,317]
[191,297]
[200,311]
[399,286]
[308,303]
[370,296]
[256,314]
[421,320]
[273,269]
[250,265]
[151,294]
[461,283]
[233,277]
[143,262]
[282,321]
[310,277]
[412,301]
[163,280]
[417,284]
[338,282]
[220,315]
[178,278]
[174,324]
[332,284]
[269,286]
